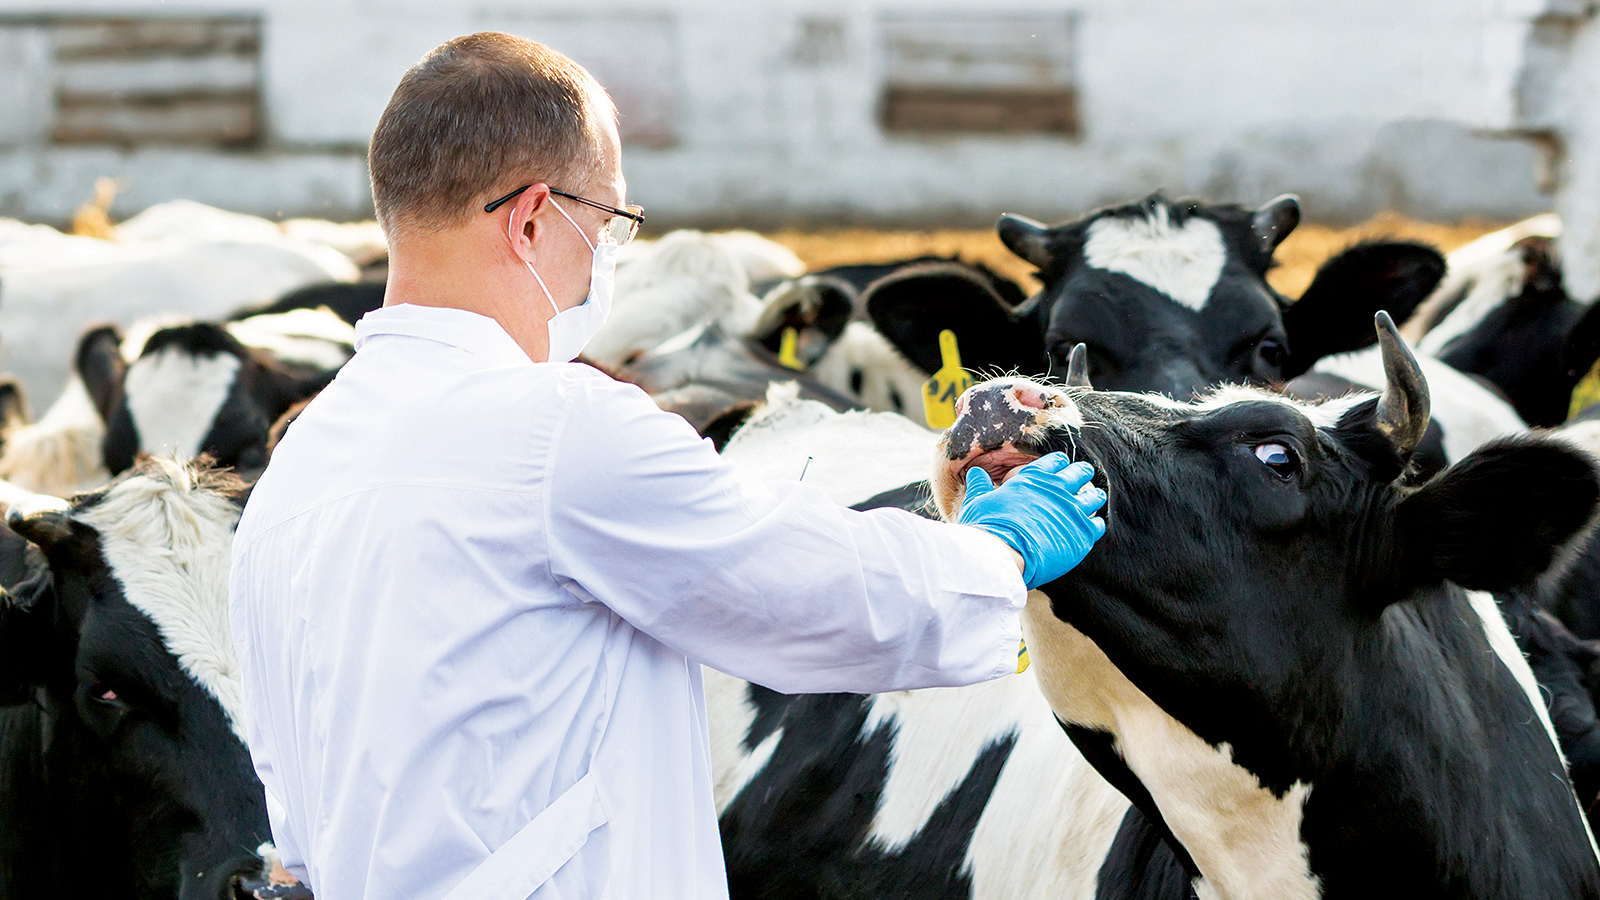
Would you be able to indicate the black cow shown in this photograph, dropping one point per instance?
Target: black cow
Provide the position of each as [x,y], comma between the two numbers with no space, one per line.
[193,389]
[1311,691]
[1166,295]
[123,771]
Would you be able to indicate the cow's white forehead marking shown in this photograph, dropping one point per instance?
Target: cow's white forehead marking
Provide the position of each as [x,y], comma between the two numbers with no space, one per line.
[173,397]
[1183,262]
[167,540]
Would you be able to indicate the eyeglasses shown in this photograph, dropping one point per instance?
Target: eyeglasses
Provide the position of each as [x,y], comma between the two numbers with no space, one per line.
[624,223]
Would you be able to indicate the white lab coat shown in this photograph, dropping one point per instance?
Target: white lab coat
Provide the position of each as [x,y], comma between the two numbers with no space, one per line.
[471,589]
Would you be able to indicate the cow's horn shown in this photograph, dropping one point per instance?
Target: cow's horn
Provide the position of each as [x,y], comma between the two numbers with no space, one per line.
[1078,367]
[1403,409]
[41,518]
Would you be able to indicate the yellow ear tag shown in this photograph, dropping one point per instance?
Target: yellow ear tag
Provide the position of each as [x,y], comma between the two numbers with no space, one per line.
[1586,392]
[1022,657]
[939,393]
[788,349]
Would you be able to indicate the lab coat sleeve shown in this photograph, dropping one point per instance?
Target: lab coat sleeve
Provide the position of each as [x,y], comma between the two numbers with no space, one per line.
[772,583]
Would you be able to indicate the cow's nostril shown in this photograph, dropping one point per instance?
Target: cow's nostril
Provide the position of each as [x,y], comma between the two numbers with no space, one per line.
[1033,398]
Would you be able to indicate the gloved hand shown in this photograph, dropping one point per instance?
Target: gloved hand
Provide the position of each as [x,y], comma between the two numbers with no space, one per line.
[1039,512]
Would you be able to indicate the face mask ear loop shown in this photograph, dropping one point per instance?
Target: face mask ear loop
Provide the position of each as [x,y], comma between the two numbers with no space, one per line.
[515,235]
[555,309]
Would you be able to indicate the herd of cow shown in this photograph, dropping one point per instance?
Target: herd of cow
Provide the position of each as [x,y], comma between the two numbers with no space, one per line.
[1342,637]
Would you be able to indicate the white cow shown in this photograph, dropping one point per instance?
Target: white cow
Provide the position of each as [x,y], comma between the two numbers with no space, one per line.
[178,257]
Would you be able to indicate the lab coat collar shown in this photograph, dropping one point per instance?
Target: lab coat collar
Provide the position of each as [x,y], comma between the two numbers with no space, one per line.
[478,335]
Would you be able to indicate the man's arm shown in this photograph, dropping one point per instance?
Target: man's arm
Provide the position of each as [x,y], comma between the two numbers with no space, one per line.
[772,583]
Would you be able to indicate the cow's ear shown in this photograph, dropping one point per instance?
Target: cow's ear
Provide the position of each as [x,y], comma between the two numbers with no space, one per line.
[1026,238]
[100,366]
[1497,518]
[817,307]
[1274,220]
[911,307]
[13,404]
[33,645]
[1334,315]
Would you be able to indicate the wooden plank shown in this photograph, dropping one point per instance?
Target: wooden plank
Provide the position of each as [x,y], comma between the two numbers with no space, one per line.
[155,35]
[156,75]
[998,110]
[205,119]
[978,50]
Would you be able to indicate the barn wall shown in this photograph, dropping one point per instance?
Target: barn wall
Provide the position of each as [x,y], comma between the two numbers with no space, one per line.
[820,111]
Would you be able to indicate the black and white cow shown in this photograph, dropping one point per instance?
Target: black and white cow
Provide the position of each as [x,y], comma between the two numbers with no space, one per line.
[1507,319]
[708,376]
[840,358]
[123,772]
[1167,296]
[1286,657]
[198,388]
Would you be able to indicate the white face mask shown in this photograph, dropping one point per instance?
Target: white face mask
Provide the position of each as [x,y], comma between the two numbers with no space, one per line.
[571,329]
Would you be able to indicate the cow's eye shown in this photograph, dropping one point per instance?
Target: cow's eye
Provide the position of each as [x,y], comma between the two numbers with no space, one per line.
[1280,458]
[1271,352]
[101,692]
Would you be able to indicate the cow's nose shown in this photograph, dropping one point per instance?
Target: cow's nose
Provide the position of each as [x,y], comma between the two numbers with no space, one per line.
[995,414]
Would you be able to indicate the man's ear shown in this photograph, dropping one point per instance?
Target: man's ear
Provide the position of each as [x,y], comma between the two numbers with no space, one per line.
[520,225]
[1497,518]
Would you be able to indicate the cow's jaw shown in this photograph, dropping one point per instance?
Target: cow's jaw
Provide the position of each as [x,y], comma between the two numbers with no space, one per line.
[1001,425]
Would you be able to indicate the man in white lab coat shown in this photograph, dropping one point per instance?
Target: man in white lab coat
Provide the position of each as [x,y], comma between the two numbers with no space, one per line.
[472,591]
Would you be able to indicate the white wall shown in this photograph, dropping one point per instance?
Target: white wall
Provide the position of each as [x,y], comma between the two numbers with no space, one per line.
[1356,105]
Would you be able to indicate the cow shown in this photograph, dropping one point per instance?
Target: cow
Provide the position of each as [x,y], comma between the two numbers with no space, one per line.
[1502,315]
[125,772]
[1167,295]
[197,388]
[1286,656]
[685,279]
[837,356]
[176,258]
[709,378]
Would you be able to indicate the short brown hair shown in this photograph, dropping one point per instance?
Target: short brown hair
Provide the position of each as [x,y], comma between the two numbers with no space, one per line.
[478,117]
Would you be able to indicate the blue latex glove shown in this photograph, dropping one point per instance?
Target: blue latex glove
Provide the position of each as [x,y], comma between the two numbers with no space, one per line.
[1039,512]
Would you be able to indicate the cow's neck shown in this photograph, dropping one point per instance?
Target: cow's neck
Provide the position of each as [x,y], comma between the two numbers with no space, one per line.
[1444,772]
[1244,839]
[1390,798]
[60,831]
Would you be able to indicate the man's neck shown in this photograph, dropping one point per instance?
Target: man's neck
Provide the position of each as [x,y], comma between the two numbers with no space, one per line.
[453,271]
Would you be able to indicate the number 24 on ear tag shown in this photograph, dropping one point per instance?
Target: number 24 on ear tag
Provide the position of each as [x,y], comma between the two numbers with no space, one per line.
[939,393]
